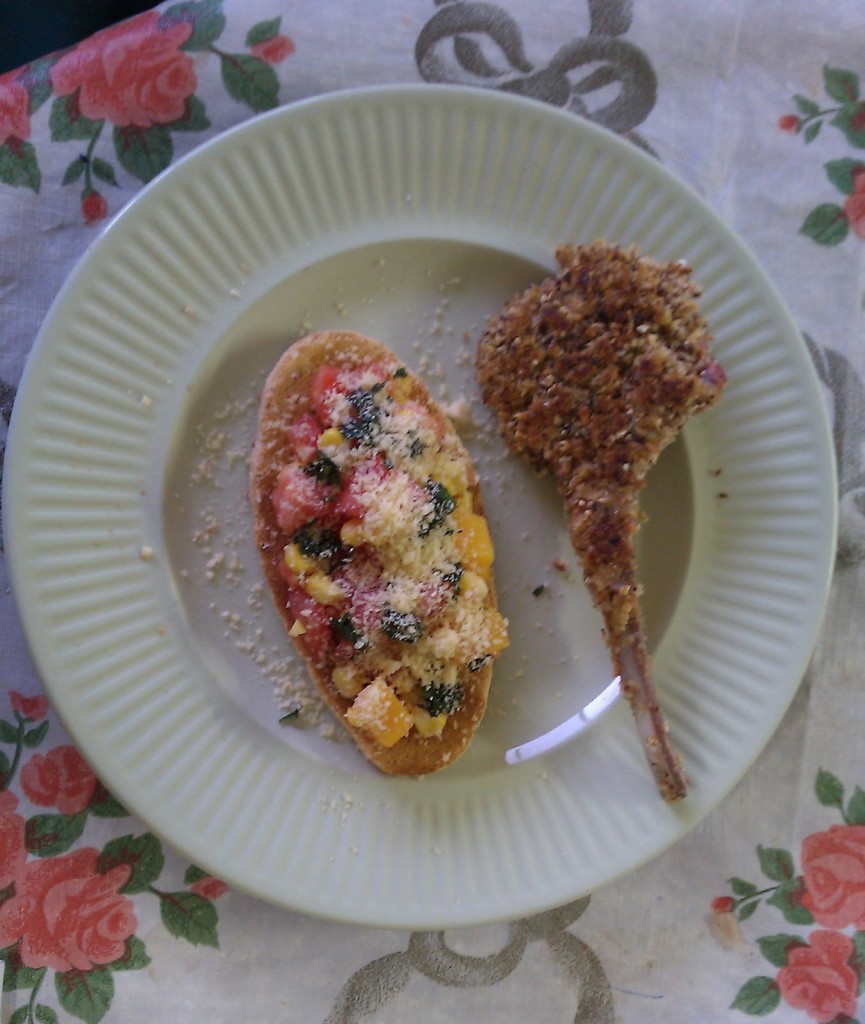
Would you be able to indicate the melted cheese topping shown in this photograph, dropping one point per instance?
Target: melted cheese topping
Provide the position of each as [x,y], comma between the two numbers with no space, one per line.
[417,634]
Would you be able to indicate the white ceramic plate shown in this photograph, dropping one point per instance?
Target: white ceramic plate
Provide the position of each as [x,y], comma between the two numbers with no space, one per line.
[408,213]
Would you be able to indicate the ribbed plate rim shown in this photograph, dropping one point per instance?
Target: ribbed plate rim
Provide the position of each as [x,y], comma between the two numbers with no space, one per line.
[421,913]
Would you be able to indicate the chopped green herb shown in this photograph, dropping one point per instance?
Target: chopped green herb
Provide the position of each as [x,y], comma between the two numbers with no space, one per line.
[365,427]
[416,447]
[345,629]
[441,698]
[324,469]
[442,504]
[400,372]
[539,590]
[403,626]
[318,543]
[290,716]
[453,577]
[478,663]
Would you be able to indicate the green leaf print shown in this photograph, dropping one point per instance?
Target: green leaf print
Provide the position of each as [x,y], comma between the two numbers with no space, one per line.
[8,731]
[851,121]
[742,888]
[826,224]
[206,18]
[190,917]
[855,814]
[776,948]
[812,131]
[194,118]
[142,853]
[775,863]
[73,171]
[788,899]
[194,874]
[85,994]
[35,736]
[103,170]
[45,1015]
[829,788]
[104,805]
[747,910]
[134,958]
[68,123]
[250,81]
[842,85]
[143,152]
[263,31]
[17,975]
[857,960]
[806,107]
[757,997]
[841,173]
[47,835]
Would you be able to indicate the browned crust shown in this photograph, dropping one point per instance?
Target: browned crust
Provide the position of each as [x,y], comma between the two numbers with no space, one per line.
[284,398]
[592,373]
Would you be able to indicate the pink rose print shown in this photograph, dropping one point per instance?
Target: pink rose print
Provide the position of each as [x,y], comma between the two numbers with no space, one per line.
[833,868]
[818,979]
[94,207]
[12,853]
[273,50]
[14,109]
[789,123]
[67,914]
[33,708]
[209,888]
[61,778]
[132,74]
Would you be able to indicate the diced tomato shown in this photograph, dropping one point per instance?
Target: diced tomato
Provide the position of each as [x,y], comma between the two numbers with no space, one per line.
[434,597]
[368,473]
[303,435]
[417,416]
[324,383]
[331,379]
[315,618]
[344,652]
[361,578]
[366,608]
[299,498]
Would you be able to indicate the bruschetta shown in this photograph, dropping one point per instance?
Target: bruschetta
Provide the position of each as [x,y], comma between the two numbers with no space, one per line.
[374,543]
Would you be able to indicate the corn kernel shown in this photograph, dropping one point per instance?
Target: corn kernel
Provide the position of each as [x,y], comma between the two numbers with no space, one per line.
[473,586]
[399,388]
[428,725]
[348,680]
[331,438]
[352,533]
[443,642]
[297,561]
[498,633]
[322,588]
[473,540]
[453,478]
[378,711]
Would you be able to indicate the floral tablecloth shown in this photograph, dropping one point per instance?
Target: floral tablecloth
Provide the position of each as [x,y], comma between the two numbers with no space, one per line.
[760,911]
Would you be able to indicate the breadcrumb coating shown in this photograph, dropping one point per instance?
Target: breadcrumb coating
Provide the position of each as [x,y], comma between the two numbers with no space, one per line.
[592,373]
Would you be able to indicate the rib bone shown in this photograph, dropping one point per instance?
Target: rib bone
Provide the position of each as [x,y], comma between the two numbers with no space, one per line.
[592,373]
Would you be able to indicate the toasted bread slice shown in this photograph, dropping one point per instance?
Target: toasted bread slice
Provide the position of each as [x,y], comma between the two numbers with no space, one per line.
[469,606]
